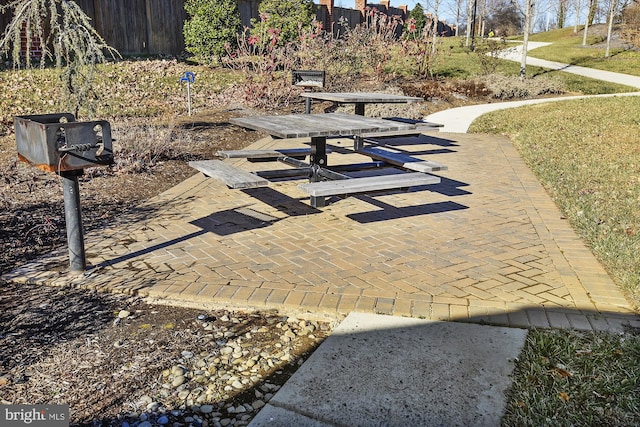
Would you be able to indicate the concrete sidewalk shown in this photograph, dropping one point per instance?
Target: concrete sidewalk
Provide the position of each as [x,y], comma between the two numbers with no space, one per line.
[459,119]
[515,54]
[393,371]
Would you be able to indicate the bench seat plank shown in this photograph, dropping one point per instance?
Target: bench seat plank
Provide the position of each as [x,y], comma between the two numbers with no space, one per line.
[416,131]
[231,176]
[402,160]
[366,184]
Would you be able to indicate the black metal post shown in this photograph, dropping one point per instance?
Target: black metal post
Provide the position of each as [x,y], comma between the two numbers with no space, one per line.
[318,160]
[73,218]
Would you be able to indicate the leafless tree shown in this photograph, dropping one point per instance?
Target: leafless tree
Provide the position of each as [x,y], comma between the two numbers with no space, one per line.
[67,39]
[562,12]
[528,17]
[612,14]
[586,24]
[470,17]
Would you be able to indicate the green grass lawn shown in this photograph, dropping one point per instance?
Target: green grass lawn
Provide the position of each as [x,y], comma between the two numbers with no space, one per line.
[568,378]
[566,47]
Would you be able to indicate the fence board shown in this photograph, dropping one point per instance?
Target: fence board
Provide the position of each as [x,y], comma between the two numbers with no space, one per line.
[155,26]
[123,24]
[5,18]
[166,21]
[248,9]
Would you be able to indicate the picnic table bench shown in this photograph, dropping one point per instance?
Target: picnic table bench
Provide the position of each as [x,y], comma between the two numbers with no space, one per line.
[231,176]
[401,160]
[367,184]
[325,180]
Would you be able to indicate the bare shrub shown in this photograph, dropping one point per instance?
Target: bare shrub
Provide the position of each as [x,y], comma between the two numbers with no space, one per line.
[428,89]
[513,87]
[487,55]
[474,88]
[138,148]
[445,89]
[370,42]
[265,63]
[420,51]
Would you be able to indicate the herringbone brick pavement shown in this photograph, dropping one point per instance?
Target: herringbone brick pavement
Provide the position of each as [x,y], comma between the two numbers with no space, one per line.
[485,245]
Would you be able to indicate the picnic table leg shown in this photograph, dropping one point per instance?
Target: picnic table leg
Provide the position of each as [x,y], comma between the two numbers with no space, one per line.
[358,142]
[360,108]
[318,160]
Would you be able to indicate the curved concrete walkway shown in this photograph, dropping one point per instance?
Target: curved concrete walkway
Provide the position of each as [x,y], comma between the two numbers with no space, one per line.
[459,119]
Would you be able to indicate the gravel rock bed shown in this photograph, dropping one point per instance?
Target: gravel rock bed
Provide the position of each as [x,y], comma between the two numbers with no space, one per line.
[117,360]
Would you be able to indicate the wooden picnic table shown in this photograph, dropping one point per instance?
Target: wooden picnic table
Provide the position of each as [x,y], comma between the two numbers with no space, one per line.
[318,127]
[360,99]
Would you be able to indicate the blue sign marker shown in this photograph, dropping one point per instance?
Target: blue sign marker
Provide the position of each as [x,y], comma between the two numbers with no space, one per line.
[188,77]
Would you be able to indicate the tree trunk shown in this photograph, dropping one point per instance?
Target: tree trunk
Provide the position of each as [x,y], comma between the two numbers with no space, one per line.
[612,13]
[458,6]
[586,24]
[469,19]
[527,28]
[435,28]
[562,6]
[593,8]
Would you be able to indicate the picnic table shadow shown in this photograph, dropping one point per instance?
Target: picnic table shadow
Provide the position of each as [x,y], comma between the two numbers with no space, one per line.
[243,218]
[235,220]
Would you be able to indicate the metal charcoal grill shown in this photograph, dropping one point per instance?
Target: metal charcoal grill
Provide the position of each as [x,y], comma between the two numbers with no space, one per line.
[59,144]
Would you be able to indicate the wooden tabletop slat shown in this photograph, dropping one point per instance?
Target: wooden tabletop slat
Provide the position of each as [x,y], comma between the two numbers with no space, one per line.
[318,125]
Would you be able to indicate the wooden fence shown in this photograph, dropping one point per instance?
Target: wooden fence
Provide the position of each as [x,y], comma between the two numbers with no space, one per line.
[342,18]
[137,27]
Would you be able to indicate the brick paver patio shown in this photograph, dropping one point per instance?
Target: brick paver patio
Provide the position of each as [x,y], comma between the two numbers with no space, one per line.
[485,245]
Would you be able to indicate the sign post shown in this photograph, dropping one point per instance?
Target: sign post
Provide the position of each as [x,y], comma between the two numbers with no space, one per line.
[188,77]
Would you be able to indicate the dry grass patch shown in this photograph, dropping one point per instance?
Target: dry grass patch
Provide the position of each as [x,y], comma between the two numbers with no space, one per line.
[566,378]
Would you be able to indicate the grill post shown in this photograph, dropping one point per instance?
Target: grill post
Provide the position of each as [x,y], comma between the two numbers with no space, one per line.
[73,219]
